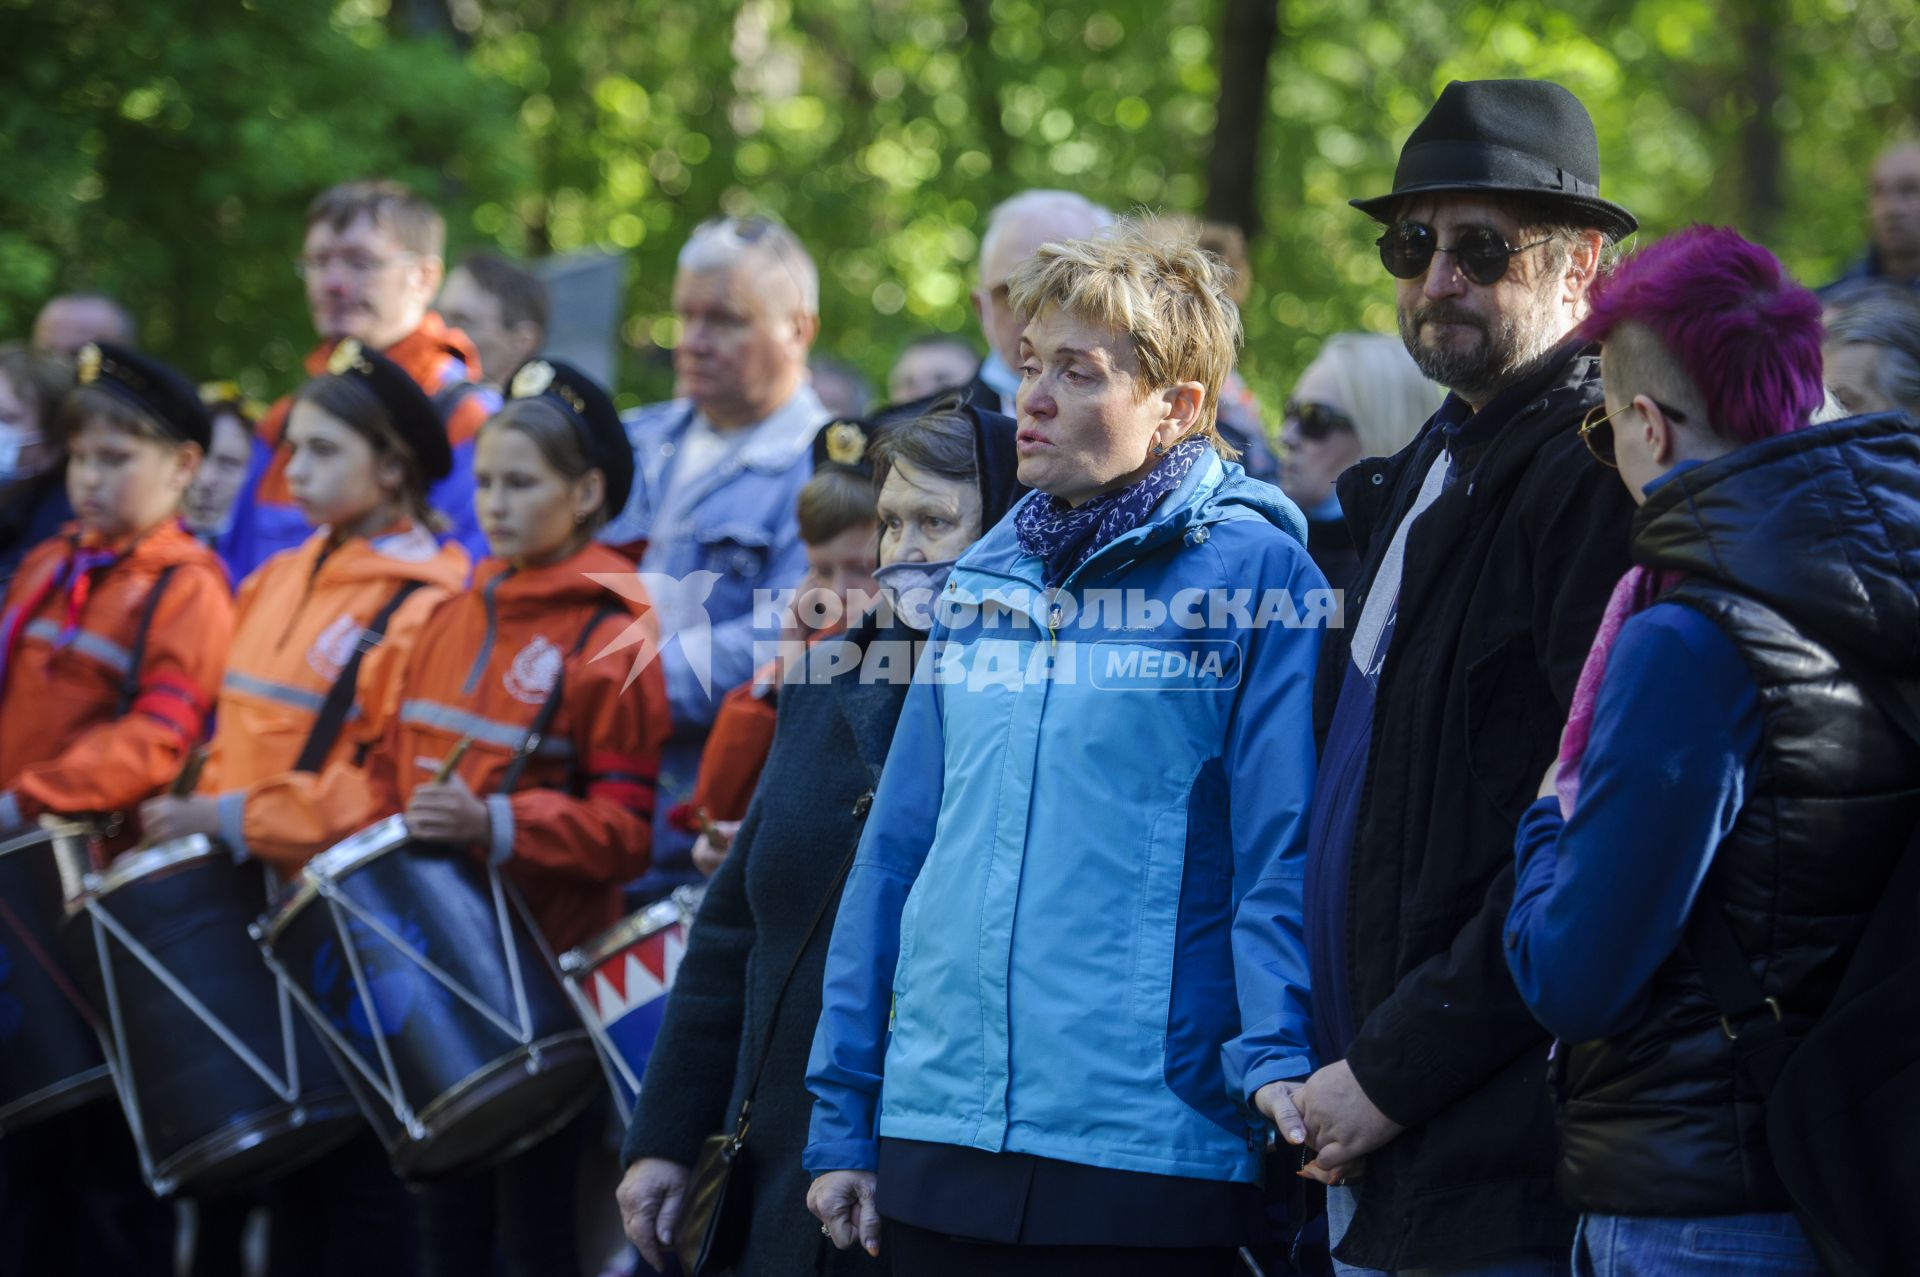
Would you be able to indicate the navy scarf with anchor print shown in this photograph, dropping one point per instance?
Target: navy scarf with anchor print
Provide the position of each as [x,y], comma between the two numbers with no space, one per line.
[1066,537]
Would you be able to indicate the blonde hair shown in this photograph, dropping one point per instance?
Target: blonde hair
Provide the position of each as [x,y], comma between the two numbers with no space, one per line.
[1381,389]
[1151,280]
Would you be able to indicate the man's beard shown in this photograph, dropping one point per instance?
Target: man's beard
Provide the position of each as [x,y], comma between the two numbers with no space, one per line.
[1510,347]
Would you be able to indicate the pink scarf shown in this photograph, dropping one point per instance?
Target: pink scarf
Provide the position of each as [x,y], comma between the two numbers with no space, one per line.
[1634,593]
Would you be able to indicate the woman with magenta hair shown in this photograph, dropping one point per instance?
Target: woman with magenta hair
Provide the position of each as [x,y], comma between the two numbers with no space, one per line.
[1730,796]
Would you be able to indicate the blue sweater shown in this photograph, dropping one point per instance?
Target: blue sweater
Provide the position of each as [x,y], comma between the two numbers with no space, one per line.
[1601,900]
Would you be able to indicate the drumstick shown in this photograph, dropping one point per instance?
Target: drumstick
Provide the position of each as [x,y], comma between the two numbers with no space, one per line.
[453,760]
[189,773]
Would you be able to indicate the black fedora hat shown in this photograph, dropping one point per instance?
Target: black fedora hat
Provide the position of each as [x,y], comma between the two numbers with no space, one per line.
[1511,137]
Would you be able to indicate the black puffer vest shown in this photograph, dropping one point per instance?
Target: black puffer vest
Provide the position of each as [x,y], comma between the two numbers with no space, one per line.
[1805,550]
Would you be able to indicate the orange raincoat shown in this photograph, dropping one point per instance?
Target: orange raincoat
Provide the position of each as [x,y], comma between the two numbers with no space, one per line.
[297,623]
[69,742]
[579,824]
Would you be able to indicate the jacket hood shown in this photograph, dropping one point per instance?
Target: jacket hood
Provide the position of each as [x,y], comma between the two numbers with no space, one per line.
[1214,491]
[408,554]
[423,352]
[1822,525]
[572,582]
[168,544]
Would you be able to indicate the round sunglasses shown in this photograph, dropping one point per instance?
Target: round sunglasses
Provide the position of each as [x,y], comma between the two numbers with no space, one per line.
[1600,442]
[1482,253]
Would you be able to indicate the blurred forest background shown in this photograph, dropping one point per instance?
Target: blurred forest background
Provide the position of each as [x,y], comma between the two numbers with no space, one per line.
[165,151]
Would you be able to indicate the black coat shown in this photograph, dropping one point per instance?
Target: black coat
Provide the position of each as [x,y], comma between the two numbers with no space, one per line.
[1506,577]
[829,741]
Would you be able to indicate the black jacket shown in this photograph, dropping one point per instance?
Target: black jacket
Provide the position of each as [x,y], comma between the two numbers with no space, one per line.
[829,742]
[1805,550]
[1506,576]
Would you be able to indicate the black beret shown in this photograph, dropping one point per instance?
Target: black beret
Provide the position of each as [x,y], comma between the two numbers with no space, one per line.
[847,442]
[414,417]
[143,382]
[582,401]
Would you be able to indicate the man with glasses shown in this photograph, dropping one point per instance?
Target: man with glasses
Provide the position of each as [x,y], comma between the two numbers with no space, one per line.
[713,517]
[371,261]
[1488,548]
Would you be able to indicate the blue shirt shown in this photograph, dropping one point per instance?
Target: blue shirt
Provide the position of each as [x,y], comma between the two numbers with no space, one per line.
[1347,753]
[1600,901]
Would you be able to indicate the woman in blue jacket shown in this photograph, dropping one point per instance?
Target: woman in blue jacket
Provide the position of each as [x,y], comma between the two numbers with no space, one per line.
[1070,944]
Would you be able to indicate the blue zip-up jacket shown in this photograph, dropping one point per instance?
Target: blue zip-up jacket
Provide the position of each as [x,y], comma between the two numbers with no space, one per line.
[723,536]
[1073,927]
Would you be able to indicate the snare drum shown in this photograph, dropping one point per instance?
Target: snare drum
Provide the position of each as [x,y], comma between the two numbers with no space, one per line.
[431,987]
[222,1083]
[620,980]
[50,1058]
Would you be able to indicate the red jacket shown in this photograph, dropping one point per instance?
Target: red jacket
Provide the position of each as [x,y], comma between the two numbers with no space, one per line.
[579,824]
[66,745]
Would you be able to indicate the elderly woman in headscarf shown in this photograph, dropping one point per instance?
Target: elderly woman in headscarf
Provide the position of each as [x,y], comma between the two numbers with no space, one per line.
[1067,977]
[748,991]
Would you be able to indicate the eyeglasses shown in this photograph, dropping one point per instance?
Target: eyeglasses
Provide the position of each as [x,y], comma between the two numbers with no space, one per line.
[360,264]
[1599,443]
[1316,421]
[1481,252]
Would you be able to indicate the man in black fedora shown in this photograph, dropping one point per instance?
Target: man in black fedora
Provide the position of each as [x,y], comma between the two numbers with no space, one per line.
[1489,548]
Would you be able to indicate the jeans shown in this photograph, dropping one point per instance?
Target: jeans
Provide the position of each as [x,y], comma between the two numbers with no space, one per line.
[1340,1208]
[1709,1246]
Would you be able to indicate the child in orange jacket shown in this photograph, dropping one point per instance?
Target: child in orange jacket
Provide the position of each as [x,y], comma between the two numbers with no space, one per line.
[322,631]
[841,532]
[548,470]
[113,633]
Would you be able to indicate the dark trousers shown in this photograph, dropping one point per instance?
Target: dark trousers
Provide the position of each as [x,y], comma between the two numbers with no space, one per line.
[521,1210]
[72,1201]
[917,1252]
[344,1215]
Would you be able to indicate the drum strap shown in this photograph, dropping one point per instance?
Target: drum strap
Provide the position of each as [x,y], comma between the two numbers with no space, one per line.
[333,712]
[54,971]
[130,681]
[543,719]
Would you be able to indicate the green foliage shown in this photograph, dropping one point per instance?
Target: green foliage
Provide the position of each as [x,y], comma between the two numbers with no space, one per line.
[166,151]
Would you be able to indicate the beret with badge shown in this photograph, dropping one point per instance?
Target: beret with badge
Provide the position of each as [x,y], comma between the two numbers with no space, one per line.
[590,409]
[414,417]
[143,382]
[847,442]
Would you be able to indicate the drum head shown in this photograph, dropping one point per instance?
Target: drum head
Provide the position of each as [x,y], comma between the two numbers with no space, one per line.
[134,866]
[621,936]
[337,862]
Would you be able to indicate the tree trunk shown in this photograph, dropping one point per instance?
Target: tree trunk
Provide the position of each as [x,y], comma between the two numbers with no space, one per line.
[983,74]
[1760,144]
[1248,32]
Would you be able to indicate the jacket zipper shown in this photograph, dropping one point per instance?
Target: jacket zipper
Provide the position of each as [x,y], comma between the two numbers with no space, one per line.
[485,653]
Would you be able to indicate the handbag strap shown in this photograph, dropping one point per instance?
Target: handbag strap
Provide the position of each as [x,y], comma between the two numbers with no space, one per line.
[339,701]
[543,718]
[861,805]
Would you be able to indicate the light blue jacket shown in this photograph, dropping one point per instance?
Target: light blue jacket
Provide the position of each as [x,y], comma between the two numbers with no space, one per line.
[1073,928]
[738,521]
